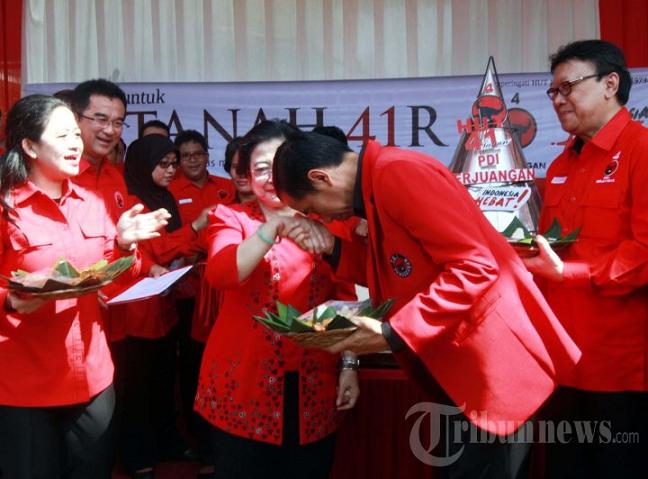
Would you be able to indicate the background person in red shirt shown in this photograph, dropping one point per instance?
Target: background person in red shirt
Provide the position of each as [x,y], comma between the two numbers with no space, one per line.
[100,107]
[56,394]
[597,286]
[149,430]
[196,193]
[155,127]
[241,183]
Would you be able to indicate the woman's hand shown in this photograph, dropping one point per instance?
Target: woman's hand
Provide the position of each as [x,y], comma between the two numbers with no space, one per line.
[348,390]
[133,226]
[157,271]
[22,304]
[203,219]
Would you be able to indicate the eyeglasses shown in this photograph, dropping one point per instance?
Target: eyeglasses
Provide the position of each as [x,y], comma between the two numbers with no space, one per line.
[196,155]
[103,122]
[565,88]
[165,165]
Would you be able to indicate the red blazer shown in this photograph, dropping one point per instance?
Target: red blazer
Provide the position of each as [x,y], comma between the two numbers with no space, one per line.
[465,303]
[240,388]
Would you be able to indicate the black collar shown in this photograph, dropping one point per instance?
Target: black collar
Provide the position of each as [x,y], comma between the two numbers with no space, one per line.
[577,146]
[358,201]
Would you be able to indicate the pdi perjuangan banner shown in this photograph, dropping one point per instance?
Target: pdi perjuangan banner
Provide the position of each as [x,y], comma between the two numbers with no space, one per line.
[421,114]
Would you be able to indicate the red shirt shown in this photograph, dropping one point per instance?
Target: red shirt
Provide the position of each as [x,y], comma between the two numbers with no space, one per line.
[153,317]
[603,300]
[241,379]
[58,354]
[108,180]
[192,200]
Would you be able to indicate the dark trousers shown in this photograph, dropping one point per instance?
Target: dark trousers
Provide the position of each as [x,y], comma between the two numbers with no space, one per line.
[145,378]
[241,458]
[190,354]
[462,451]
[73,442]
[604,434]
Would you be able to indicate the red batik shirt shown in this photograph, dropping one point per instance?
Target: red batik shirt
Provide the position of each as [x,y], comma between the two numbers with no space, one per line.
[58,354]
[242,375]
[603,300]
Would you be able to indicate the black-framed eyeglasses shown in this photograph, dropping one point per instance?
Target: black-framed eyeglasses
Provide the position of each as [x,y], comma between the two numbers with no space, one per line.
[103,122]
[565,88]
[196,155]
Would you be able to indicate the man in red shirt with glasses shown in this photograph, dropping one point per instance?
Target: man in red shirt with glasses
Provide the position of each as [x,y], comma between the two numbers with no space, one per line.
[597,287]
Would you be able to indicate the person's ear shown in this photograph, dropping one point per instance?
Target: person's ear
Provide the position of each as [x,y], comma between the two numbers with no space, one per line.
[320,178]
[612,84]
[28,148]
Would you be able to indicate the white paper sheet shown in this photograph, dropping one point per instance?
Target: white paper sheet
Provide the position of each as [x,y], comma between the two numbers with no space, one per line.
[147,287]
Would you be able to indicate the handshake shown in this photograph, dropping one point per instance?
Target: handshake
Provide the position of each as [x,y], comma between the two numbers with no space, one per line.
[308,234]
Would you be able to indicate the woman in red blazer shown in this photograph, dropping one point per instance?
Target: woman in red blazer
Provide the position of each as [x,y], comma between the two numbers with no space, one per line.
[273,403]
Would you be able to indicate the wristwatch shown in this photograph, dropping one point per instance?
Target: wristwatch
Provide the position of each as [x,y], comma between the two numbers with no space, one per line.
[349,363]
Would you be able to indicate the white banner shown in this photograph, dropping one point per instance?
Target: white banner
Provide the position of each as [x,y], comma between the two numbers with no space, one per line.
[420,114]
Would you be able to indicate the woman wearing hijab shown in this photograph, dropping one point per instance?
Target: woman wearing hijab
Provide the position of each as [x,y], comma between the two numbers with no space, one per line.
[147,375]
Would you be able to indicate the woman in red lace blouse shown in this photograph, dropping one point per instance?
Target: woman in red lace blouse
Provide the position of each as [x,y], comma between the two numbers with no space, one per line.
[274,404]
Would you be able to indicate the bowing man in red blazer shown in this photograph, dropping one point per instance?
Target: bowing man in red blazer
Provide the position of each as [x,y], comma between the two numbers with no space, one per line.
[465,305]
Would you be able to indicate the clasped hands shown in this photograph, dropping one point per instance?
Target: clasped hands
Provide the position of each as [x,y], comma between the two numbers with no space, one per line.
[308,234]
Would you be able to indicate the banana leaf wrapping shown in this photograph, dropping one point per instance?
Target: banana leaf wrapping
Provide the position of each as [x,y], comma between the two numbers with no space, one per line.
[525,244]
[323,325]
[63,280]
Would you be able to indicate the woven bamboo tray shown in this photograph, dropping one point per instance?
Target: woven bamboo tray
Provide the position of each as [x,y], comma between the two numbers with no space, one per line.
[320,339]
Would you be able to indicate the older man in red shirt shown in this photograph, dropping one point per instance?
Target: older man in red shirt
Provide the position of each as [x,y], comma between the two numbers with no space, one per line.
[597,287]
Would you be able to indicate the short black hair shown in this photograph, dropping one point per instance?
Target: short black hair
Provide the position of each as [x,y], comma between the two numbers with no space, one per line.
[155,124]
[264,131]
[606,58]
[83,91]
[66,95]
[185,136]
[333,132]
[298,155]
[230,150]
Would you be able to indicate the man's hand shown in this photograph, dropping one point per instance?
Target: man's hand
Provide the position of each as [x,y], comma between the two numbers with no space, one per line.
[133,226]
[348,390]
[367,339]
[310,235]
[547,264]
